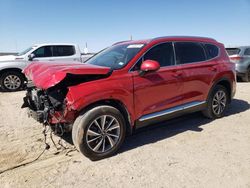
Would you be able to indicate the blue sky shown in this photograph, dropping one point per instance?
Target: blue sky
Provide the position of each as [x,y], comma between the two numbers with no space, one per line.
[101,23]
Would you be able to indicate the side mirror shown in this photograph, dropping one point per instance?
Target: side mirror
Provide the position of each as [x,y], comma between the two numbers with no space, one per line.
[31,57]
[149,66]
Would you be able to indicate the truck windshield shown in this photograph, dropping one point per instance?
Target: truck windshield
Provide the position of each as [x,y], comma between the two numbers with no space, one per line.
[116,57]
[25,51]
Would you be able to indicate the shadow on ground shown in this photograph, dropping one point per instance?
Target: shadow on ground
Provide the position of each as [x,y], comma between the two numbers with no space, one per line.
[157,132]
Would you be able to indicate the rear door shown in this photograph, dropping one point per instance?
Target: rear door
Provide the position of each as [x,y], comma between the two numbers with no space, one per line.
[199,66]
[160,90]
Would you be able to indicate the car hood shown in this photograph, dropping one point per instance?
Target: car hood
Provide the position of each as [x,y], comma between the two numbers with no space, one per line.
[7,58]
[45,74]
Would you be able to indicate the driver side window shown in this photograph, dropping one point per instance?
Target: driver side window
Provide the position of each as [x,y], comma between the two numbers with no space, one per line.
[44,51]
[162,53]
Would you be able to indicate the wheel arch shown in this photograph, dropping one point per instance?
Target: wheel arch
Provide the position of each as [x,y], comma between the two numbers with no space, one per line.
[11,69]
[224,82]
[116,104]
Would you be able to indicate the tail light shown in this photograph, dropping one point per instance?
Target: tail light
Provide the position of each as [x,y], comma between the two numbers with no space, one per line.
[236,59]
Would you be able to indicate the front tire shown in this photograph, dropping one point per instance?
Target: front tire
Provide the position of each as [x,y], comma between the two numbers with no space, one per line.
[217,102]
[12,81]
[99,132]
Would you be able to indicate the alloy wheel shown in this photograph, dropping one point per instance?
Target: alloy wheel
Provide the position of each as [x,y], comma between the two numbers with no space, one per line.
[12,82]
[103,133]
[219,102]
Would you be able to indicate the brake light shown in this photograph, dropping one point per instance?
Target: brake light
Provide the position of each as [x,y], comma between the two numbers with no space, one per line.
[236,58]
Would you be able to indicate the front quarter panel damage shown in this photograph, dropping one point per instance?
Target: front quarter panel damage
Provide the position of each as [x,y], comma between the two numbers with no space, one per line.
[46,98]
[118,89]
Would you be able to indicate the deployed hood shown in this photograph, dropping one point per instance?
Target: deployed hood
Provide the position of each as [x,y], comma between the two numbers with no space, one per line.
[45,75]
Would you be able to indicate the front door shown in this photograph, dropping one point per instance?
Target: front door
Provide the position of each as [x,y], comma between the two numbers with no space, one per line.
[43,53]
[160,90]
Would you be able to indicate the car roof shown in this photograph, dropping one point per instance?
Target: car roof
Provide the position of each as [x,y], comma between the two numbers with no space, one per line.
[173,38]
[53,44]
[186,38]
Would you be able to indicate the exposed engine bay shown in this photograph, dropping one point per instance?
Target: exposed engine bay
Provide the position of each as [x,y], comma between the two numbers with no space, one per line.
[49,106]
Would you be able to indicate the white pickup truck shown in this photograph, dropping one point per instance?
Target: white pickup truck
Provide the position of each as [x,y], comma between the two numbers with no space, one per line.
[11,66]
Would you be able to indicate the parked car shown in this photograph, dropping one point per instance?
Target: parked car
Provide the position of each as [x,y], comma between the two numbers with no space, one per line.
[241,57]
[11,66]
[130,85]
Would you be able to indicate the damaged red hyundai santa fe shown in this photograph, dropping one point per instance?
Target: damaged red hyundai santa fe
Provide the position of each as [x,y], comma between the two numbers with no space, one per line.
[129,85]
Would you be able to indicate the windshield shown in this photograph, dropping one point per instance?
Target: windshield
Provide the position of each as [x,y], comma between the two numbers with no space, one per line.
[116,57]
[25,51]
[233,51]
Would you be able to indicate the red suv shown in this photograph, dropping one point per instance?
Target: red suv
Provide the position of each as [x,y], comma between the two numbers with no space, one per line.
[129,85]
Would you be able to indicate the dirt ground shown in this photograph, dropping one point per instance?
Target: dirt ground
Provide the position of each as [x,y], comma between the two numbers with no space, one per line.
[190,151]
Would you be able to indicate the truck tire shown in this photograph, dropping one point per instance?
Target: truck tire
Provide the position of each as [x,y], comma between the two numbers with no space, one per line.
[99,132]
[12,81]
[217,102]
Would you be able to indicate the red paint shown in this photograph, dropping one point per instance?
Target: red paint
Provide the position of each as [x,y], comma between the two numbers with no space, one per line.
[140,95]
[45,75]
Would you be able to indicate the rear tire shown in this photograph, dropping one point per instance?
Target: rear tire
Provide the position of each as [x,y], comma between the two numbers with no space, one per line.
[99,132]
[12,81]
[217,103]
[246,77]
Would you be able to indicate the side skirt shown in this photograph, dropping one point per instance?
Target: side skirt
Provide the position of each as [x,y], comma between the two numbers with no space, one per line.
[170,113]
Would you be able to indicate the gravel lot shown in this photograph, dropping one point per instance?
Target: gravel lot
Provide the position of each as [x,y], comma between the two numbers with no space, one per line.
[190,151]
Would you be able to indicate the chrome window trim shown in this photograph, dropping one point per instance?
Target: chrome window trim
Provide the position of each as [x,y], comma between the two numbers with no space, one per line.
[219,53]
[171,110]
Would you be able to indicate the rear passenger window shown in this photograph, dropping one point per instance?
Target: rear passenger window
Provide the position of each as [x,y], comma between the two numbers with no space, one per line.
[212,51]
[189,52]
[247,52]
[63,50]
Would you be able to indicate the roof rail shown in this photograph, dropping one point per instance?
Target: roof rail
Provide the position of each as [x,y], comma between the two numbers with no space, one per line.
[191,37]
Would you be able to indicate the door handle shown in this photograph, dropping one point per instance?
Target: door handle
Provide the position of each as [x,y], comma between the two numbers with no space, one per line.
[177,74]
[213,69]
